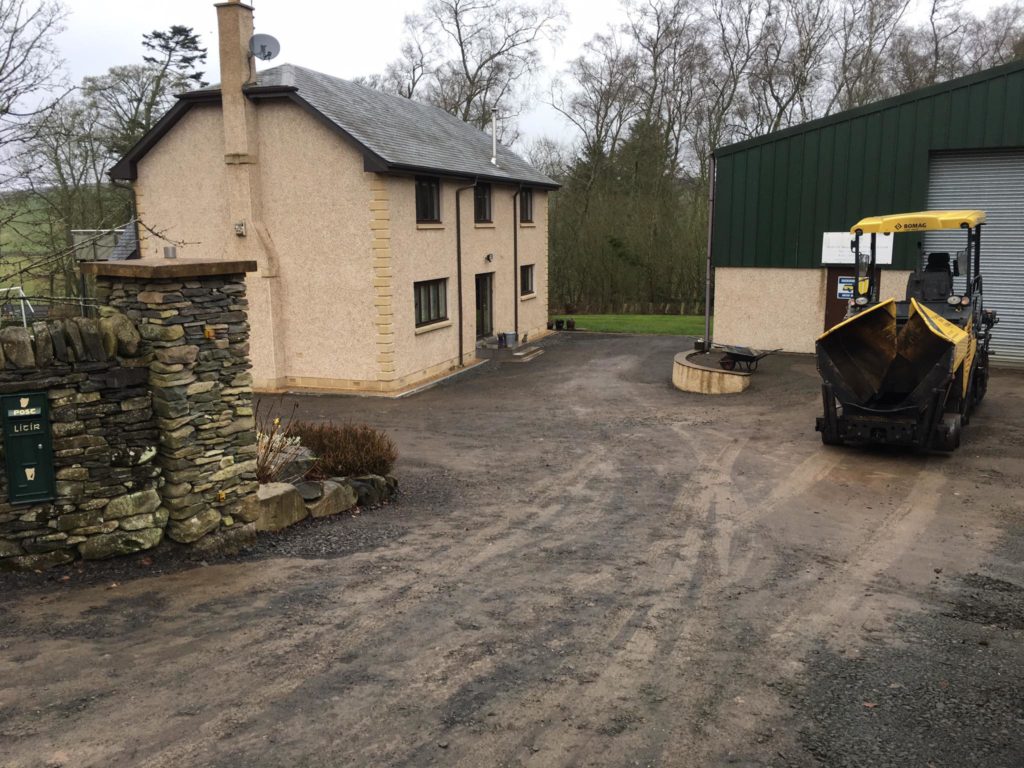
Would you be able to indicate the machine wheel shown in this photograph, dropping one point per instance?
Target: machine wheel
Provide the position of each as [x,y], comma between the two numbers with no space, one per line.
[947,433]
[827,438]
[981,382]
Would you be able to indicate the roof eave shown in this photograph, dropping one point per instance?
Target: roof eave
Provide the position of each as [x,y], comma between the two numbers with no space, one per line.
[401,168]
[126,169]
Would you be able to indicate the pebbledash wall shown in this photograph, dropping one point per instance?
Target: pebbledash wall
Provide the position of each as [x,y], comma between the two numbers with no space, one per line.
[151,415]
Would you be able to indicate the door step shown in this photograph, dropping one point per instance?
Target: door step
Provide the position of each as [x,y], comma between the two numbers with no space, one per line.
[526,354]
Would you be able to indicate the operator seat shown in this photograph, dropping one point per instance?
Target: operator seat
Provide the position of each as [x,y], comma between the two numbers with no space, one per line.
[935,283]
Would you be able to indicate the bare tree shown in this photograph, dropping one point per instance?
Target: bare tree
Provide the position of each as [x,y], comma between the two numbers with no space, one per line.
[789,62]
[604,99]
[30,67]
[473,58]
[864,32]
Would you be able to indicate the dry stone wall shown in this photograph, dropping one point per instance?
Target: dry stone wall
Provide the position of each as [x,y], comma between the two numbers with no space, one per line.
[202,394]
[104,442]
[150,415]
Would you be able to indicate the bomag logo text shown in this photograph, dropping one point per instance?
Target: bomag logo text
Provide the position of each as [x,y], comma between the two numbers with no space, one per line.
[911,225]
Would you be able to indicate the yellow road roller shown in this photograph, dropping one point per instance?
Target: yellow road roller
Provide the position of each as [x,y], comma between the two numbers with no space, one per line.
[908,372]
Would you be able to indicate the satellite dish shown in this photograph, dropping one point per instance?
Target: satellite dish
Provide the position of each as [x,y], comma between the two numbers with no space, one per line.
[264,47]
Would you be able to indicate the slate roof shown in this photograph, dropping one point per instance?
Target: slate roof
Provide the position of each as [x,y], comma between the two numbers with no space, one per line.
[395,134]
[401,131]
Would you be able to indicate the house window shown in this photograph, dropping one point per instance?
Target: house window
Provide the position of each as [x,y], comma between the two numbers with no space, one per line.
[431,301]
[428,199]
[526,206]
[482,203]
[526,279]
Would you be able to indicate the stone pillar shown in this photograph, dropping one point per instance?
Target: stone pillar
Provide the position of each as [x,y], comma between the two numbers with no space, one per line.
[192,316]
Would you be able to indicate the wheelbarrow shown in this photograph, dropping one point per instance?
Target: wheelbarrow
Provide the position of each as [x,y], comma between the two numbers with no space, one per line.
[743,358]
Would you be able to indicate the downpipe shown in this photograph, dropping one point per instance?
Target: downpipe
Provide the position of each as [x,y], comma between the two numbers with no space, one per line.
[515,260]
[458,261]
[707,267]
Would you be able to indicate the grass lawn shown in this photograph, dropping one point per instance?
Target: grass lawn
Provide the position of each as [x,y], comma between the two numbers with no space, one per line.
[675,325]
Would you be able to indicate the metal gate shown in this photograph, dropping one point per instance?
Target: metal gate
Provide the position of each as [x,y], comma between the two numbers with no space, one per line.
[992,181]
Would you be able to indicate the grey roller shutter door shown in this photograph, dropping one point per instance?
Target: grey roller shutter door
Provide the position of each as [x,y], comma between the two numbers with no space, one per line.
[994,182]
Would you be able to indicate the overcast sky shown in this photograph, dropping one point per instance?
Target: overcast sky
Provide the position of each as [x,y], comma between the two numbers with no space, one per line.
[346,39]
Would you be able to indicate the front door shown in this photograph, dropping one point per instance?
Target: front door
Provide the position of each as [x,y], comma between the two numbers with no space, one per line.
[484,305]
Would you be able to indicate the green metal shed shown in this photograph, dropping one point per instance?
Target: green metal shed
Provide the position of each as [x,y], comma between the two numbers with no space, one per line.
[776,194]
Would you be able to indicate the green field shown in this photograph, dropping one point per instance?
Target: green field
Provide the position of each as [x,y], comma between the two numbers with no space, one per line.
[672,325]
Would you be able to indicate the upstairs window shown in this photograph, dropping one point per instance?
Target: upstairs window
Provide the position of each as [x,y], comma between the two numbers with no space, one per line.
[482,204]
[526,280]
[431,301]
[428,199]
[526,206]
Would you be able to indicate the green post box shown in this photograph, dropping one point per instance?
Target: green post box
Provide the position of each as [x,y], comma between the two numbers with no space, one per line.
[28,447]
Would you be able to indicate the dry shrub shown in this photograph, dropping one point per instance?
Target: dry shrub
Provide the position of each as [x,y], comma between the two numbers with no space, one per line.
[347,449]
[278,448]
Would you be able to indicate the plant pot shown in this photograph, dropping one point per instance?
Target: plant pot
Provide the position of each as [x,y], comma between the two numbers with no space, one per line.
[559,325]
[570,325]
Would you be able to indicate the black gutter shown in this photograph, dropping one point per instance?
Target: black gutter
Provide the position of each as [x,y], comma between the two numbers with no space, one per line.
[515,260]
[458,257]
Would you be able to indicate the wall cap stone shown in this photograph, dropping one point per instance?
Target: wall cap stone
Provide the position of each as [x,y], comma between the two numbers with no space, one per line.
[149,269]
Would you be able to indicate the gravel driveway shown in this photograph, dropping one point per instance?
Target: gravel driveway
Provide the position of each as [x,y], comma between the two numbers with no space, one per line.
[586,567]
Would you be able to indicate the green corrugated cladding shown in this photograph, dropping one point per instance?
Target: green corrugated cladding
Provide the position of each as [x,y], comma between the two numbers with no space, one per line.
[777,194]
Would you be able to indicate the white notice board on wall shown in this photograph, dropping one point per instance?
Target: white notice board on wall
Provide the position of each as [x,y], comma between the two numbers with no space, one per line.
[835,248]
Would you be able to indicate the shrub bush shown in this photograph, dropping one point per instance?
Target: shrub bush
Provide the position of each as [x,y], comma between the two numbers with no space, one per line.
[279,452]
[347,449]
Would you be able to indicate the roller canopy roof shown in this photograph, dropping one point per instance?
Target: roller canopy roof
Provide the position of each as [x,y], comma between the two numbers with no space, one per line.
[922,221]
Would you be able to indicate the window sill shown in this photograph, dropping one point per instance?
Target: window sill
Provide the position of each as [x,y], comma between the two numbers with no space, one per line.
[429,225]
[433,327]
[528,296]
[527,225]
[484,225]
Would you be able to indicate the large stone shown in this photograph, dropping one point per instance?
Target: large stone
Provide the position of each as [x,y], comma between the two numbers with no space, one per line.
[194,528]
[43,344]
[153,332]
[60,349]
[181,355]
[73,337]
[79,520]
[337,498]
[302,461]
[371,489]
[17,345]
[310,490]
[278,505]
[10,548]
[120,336]
[119,543]
[137,522]
[233,470]
[131,504]
[226,541]
[91,338]
[37,562]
